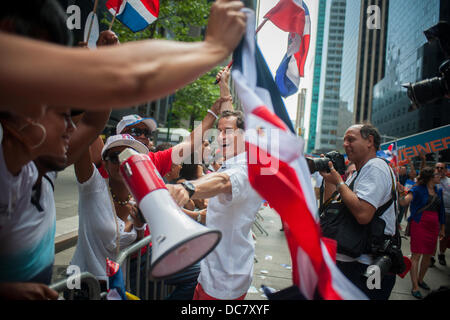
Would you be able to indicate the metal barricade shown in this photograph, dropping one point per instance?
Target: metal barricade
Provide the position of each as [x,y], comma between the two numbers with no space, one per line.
[258,225]
[84,278]
[124,259]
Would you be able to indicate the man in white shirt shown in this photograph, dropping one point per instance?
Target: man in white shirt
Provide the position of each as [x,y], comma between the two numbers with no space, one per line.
[226,273]
[372,189]
[445,186]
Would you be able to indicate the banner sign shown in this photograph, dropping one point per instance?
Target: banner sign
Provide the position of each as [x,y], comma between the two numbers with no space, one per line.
[431,141]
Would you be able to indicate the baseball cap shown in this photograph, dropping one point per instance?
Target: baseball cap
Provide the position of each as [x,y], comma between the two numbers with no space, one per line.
[135,119]
[119,140]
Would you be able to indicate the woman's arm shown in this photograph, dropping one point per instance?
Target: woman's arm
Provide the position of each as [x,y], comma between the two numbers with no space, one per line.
[84,167]
[405,199]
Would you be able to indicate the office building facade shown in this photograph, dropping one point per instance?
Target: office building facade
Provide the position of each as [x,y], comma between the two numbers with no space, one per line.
[410,58]
[329,102]
[311,140]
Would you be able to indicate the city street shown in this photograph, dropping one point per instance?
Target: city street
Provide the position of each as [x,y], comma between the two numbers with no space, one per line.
[273,266]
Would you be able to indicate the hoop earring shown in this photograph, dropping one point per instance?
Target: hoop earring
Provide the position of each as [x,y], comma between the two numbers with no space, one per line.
[44,133]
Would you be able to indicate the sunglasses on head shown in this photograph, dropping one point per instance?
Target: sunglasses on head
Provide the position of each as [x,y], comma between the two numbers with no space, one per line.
[113,157]
[136,132]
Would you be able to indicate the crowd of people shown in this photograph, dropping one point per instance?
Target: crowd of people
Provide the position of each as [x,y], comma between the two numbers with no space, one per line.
[53,111]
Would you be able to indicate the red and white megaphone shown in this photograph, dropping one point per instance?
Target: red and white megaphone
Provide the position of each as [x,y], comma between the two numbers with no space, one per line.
[178,241]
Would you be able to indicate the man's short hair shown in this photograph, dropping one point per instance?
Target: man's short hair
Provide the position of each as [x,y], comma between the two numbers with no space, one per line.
[367,129]
[239,117]
[38,19]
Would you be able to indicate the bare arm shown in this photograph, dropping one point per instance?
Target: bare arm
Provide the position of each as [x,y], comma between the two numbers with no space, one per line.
[423,158]
[113,76]
[405,200]
[183,150]
[224,76]
[26,291]
[87,131]
[412,170]
[362,210]
[194,214]
[211,185]
[83,167]
[95,151]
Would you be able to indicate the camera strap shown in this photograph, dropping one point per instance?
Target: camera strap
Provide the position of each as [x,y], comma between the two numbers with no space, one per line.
[334,195]
[378,213]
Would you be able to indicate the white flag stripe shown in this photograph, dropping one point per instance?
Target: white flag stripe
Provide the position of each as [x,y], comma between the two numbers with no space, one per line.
[299,166]
[346,289]
[142,10]
[292,71]
[269,141]
[307,275]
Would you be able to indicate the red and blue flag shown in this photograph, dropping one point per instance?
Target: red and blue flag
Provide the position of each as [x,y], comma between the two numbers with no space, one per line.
[292,16]
[390,154]
[135,14]
[116,282]
[278,171]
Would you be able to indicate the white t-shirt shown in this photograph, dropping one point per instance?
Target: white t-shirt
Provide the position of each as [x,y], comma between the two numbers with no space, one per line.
[374,185]
[97,236]
[226,273]
[27,236]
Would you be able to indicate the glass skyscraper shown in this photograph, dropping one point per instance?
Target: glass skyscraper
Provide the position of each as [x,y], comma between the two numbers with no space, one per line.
[329,102]
[409,58]
[316,78]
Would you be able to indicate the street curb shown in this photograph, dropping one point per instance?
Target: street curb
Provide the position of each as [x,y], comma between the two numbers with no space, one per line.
[66,241]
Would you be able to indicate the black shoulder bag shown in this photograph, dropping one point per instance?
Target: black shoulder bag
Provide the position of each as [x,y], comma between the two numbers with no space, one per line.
[338,223]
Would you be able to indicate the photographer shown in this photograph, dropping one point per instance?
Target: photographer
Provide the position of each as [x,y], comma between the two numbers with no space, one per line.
[367,199]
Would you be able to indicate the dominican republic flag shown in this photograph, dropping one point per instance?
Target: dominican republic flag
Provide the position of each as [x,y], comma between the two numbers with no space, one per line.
[278,171]
[115,281]
[292,16]
[135,14]
[390,154]
[392,151]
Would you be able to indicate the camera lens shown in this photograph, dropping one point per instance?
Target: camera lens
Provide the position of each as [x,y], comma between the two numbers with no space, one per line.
[322,164]
[426,91]
[318,164]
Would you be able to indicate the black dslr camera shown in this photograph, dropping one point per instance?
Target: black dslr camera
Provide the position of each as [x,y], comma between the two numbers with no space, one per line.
[388,257]
[321,164]
[429,90]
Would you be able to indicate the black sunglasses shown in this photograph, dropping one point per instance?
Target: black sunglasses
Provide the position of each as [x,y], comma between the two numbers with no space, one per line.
[136,132]
[113,157]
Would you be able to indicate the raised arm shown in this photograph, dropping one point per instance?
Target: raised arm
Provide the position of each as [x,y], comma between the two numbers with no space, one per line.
[87,131]
[112,77]
[83,167]
[224,76]
[183,150]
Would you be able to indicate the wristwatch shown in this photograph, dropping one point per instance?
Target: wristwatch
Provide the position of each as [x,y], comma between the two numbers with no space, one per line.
[189,188]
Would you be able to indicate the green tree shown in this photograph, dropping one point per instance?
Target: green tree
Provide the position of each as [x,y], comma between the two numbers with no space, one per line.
[193,101]
[180,21]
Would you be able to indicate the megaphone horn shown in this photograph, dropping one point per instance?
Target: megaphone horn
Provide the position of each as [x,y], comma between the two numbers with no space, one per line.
[178,241]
